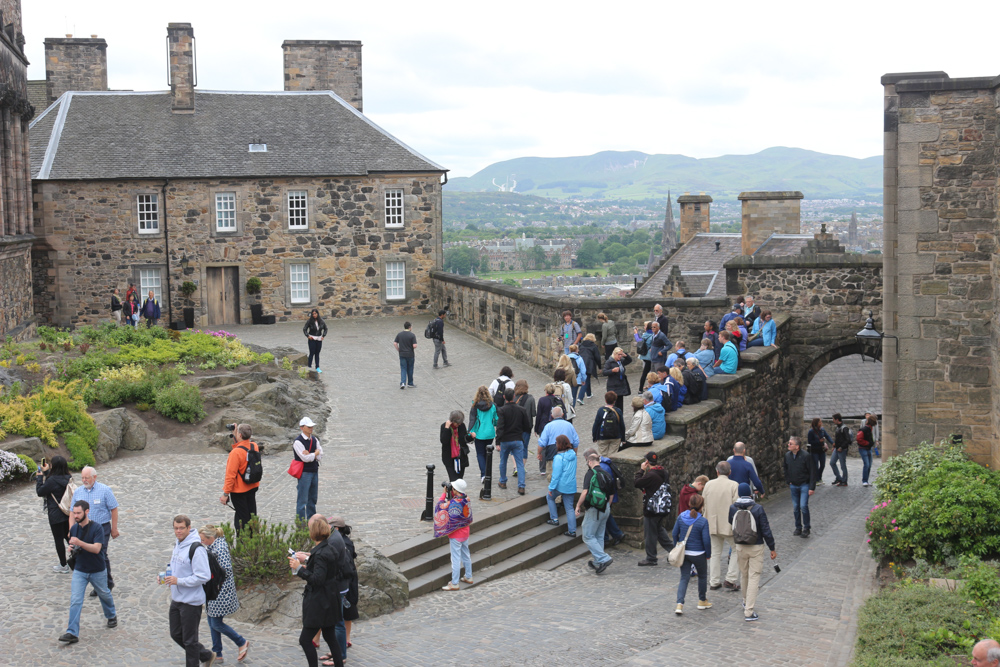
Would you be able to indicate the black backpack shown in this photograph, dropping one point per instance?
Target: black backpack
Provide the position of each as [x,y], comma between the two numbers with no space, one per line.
[213,585]
[255,468]
[610,428]
[642,347]
[659,501]
[498,399]
[619,479]
[429,331]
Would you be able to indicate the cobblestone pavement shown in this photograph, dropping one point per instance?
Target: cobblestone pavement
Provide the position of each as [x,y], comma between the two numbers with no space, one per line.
[373,472]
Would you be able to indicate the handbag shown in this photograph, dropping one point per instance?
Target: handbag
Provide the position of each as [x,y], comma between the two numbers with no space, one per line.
[295,468]
[676,555]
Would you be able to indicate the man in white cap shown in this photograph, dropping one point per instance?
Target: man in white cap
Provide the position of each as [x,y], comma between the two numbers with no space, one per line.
[307,449]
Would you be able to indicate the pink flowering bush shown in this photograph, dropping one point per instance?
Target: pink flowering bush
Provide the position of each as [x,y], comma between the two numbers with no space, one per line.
[883,529]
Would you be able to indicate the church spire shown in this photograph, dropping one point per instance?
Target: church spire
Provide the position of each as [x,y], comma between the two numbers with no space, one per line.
[669,230]
[852,230]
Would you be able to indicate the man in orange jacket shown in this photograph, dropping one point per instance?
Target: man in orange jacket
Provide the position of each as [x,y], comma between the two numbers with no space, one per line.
[236,488]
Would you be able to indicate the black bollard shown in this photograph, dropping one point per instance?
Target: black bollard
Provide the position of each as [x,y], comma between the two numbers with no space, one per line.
[486,493]
[428,513]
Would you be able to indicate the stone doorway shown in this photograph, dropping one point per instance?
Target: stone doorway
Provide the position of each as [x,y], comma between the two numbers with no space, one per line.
[223,295]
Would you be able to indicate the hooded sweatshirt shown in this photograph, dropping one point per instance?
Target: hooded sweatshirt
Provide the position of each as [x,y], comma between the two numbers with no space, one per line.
[763,527]
[699,542]
[658,416]
[191,573]
[484,422]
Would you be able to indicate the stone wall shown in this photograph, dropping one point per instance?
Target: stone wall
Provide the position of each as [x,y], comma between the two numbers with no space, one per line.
[324,65]
[695,215]
[16,315]
[766,213]
[824,295]
[526,324]
[75,63]
[940,165]
[89,242]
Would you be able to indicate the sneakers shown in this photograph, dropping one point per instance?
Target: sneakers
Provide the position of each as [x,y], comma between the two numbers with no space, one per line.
[570,533]
[591,565]
[603,566]
[615,541]
[318,371]
[865,483]
[704,604]
[69,639]
[645,562]
[467,580]
[113,622]
[679,610]
[805,533]
[752,617]
[502,485]
[820,482]
[447,364]
[412,386]
[209,662]
[61,569]
[553,522]
[731,586]
[402,386]
[450,587]
[798,531]
[580,401]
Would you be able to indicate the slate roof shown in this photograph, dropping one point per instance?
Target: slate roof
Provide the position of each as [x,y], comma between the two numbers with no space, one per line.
[697,255]
[37,95]
[109,135]
[846,386]
[784,244]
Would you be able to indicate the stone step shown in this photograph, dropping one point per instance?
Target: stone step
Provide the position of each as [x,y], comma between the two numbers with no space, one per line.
[568,556]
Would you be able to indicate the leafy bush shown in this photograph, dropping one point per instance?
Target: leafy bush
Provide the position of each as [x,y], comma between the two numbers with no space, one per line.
[982,585]
[48,334]
[253,285]
[143,407]
[899,472]
[29,464]
[12,468]
[82,451]
[261,553]
[180,401]
[912,625]
[286,363]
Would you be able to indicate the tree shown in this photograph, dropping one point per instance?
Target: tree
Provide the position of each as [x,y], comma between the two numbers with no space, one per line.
[461,260]
[614,252]
[638,248]
[623,265]
[538,256]
[511,282]
[589,255]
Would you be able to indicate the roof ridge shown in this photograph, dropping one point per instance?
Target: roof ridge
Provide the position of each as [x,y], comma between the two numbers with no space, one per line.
[64,102]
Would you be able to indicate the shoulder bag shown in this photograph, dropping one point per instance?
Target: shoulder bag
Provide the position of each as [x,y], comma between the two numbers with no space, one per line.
[676,555]
[296,466]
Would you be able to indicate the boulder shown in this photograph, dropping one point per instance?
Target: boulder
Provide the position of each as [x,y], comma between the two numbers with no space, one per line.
[134,437]
[118,429]
[382,588]
[229,393]
[278,604]
[33,448]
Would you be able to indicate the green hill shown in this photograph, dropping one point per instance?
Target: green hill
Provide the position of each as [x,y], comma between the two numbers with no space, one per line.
[636,175]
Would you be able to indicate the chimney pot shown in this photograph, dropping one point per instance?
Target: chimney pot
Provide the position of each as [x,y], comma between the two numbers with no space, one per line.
[182,66]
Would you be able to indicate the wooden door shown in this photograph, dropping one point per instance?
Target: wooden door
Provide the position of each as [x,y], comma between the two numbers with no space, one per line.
[223,295]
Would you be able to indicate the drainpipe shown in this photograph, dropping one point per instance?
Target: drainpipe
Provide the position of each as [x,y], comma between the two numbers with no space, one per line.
[166,250]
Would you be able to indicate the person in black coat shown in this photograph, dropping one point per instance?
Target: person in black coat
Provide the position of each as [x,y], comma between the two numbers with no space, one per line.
[453,432]
[614,370]
[315,331]
[50,484]
[321,605]
[591,359]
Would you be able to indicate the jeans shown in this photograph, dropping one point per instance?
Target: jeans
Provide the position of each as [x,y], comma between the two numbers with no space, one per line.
[759,340]
[612,528]
[655,532]
[481,446]
[866,460]
[439,349]
[585,389]
[567,500]
[819,460]
[406,370]
[800,505]
[305,497]
[751,561]
[840,456]
[217,626]
[594,523]
[184,622]
[512,448]
[526,439]
[314,348]
[99,580]
[460,556]
[700,565]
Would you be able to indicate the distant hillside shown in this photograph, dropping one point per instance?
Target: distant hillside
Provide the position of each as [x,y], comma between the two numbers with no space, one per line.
[635,175]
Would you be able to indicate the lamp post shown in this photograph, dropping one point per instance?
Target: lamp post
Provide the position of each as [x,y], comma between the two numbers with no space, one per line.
[870,340]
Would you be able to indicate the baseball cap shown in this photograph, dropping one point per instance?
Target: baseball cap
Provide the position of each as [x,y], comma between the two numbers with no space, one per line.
[305,421]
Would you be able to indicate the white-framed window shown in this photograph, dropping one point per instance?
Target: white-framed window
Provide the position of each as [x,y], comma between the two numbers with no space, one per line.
[225,211]
[395,280]
[298,275]
[148,208]
[298,209]
[150,279]
[394,208]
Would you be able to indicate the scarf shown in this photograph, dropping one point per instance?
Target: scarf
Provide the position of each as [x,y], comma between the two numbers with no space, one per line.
[456,451]
[456,516]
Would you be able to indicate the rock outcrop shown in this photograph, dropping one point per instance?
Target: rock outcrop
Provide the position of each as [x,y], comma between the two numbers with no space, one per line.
[119,429]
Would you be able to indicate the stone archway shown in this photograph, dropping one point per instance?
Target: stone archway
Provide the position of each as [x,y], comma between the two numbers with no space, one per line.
[812,366]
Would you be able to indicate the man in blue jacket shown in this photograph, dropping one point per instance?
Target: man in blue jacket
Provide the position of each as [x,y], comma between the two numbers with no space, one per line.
[150,310]
[656,414]
[743,469]
[750,556]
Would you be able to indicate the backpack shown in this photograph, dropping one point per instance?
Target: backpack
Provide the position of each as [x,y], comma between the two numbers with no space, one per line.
[642,347]
[744,527]
[609,429]
[619,479]
[66,502]
[576,365]
[255,469]
[659,501]
[597,497]
[498,398]
[213,585]
[429,331]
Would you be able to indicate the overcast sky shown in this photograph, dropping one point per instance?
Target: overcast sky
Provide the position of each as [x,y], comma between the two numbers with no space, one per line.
[471,83]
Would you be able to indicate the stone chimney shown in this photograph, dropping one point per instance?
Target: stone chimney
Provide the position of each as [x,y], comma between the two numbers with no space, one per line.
[694,214]
[183,72]
[74,63]
[324,65]
[766,213]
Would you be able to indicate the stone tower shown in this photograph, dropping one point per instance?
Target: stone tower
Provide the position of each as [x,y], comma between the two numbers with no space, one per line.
[335,65]
[694,214]
[183,77]
[852,231]
[669,240]
[766,213]
[75,63]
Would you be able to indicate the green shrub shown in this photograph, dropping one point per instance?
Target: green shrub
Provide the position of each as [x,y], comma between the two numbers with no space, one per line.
[142,407]
[83,454]
[29,464]
[261,553]
[982,585]
[913,625]
[900,472]
[180,401]
[286,363]
[48,334]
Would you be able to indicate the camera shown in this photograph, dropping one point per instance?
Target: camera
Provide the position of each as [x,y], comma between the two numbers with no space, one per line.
[449,491]
[232,430]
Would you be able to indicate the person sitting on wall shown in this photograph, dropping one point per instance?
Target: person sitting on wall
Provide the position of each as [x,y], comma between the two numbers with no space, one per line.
[729,356]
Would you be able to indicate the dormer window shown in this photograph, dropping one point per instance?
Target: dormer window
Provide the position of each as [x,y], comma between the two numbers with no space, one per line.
[258,148]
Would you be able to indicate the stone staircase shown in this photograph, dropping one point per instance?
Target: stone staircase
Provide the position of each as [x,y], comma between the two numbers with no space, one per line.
[510,538]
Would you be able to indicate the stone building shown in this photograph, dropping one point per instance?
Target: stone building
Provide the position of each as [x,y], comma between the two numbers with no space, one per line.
[16,233]
[295,187]
[941,267]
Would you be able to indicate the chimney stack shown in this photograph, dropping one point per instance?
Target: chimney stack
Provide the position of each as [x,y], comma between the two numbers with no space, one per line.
[694,215]
[183,73]
[74,63]
[324,65]
[766,213]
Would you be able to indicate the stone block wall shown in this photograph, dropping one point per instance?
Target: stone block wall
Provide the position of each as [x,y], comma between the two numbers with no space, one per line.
[16,314]
[526,324]
[826,296]
[695,215]
[940,173]
[324,65]
[74,63]
[89,243]
[766,213]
